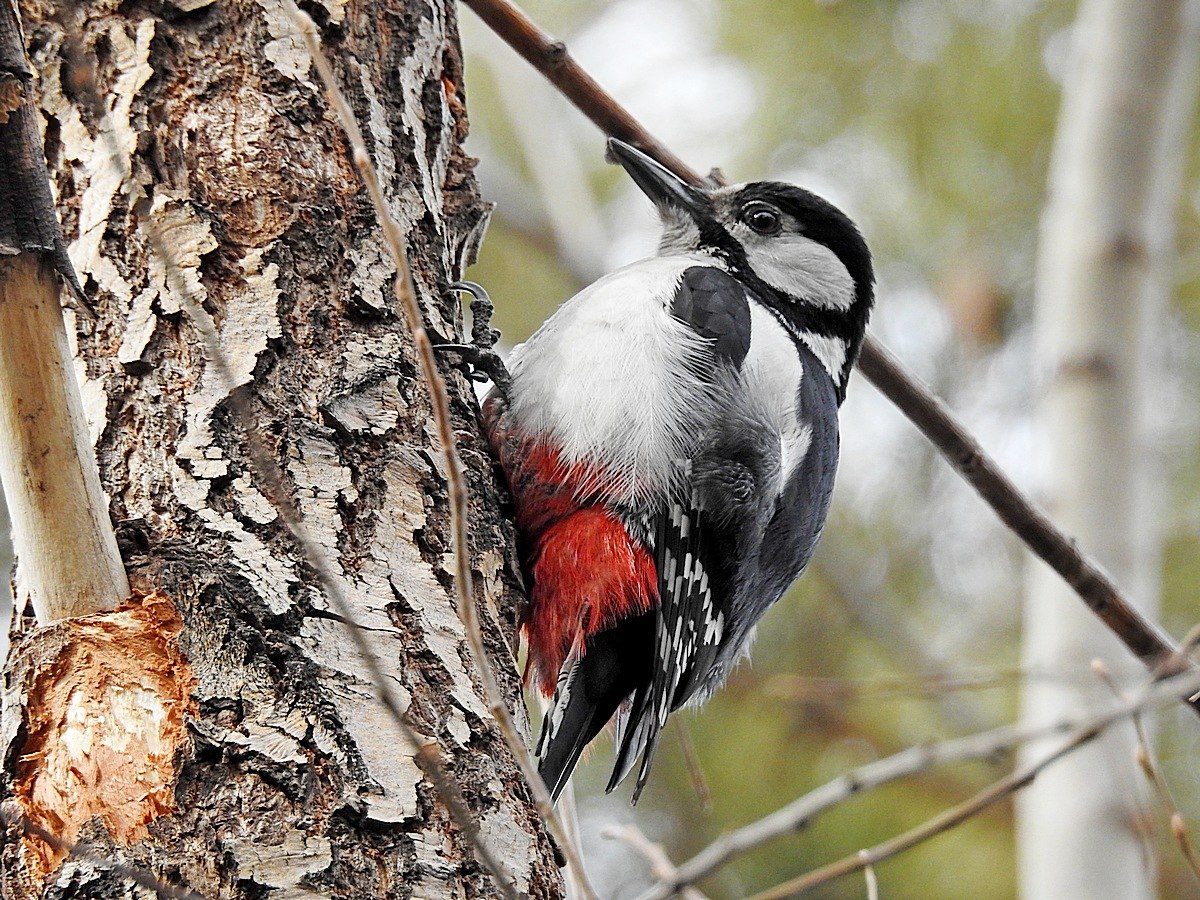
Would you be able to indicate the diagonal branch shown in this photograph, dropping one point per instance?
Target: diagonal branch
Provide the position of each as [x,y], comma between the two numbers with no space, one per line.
[1029,522]
[1144,638]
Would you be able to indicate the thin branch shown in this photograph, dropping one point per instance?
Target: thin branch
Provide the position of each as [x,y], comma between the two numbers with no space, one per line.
[654,855]
[872,881]
[1183,837]
[1144,638]
[551,58]
[1160,692]
[11,818]
[692,759]
[268,473]
[1145,761]
[800,813]
[834,691]
[456,481]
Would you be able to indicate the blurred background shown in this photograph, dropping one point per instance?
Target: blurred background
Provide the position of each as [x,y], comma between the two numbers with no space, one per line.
[931,123]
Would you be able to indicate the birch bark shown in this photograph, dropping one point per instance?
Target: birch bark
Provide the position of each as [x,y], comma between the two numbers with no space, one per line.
[222,732]
[1103,283]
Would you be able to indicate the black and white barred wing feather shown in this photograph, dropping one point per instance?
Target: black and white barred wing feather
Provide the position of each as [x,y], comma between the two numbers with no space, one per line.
[688,626]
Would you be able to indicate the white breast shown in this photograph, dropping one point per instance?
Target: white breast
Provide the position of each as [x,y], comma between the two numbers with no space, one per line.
[772,375]
[610,378]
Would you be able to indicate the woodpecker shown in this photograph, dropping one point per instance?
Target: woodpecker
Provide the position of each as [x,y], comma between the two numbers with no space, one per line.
[670,437]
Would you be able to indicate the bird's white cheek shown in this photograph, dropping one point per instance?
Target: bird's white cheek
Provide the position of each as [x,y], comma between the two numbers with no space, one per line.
[802,268]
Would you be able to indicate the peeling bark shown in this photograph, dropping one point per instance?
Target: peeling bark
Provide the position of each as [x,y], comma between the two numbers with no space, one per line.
[69,562]
[290,779]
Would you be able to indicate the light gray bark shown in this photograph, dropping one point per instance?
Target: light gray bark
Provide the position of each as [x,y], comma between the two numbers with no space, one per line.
[269,764]
[1103,282]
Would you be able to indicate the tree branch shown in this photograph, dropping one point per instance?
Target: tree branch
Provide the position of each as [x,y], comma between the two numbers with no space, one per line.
[1164,690]
[67,558]
[1143,638]
[800,813]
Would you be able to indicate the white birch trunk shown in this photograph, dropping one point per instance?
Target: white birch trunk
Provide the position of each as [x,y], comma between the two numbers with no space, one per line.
[1103,281]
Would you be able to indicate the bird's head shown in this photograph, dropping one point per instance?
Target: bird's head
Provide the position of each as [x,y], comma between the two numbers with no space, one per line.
[797,253]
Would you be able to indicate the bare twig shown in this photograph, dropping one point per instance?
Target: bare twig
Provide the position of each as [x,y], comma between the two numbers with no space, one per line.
[1160,692]
[831,691]
[1093,585]
[654,854]
[551,58]
[1183,837]
[267,470]
[1144,638]
[872,881]
[692,759]
[800,813]
[10,817]
[1145,761]
[456,482]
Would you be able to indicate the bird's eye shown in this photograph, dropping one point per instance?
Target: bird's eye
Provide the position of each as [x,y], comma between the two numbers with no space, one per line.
[763,218]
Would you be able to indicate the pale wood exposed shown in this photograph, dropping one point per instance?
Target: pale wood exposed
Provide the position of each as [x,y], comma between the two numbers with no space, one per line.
[67,558]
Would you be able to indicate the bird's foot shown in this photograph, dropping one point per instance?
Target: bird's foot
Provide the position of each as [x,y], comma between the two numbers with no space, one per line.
[480,355]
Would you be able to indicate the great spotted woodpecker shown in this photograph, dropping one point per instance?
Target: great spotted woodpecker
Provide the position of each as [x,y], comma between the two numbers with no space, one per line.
[670,437]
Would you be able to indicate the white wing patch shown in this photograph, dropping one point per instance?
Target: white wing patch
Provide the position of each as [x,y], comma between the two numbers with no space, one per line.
[562,698]
[829,351]
[794,442]
[772,375]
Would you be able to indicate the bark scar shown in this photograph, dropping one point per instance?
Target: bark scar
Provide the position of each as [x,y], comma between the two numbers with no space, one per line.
[105,700]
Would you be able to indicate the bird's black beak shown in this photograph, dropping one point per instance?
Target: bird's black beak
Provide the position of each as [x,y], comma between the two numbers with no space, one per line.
[657,182]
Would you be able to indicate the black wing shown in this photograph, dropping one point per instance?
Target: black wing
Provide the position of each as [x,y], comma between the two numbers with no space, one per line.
[714,303]
[693,586]
[592,684]
[791,535]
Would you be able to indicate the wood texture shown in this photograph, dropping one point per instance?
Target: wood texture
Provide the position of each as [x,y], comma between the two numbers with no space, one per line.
[68,564]
[216,134]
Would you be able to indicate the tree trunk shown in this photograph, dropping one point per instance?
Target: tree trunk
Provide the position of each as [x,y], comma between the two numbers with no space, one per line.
[1103,284]
[221,731]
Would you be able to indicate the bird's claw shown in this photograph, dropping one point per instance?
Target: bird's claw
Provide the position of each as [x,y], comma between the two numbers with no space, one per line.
[483,335]
[484,362]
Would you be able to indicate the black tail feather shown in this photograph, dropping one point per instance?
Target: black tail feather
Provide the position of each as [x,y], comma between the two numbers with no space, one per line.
[632,735]
[602,681]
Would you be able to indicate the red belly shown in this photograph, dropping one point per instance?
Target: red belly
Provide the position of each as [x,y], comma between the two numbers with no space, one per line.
[585,572]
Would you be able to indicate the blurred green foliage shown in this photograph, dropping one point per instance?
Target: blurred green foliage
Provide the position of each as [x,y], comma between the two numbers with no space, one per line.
[932,122]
